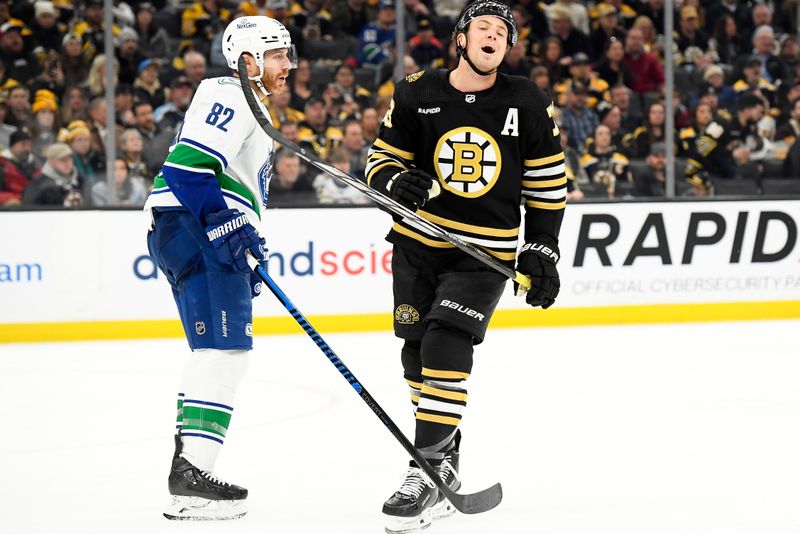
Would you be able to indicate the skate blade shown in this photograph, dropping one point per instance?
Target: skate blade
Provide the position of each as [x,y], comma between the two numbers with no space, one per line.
[442,510]
[185,508]
[407,525]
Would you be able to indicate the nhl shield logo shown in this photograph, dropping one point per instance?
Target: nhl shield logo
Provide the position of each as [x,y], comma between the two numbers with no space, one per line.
[469,99]
[200,328]
[405,314]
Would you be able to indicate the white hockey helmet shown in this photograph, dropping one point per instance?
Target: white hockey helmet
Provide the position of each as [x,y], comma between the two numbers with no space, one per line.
[255,35]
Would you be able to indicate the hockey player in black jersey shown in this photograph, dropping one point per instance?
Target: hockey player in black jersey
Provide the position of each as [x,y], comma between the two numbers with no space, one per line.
[463,148]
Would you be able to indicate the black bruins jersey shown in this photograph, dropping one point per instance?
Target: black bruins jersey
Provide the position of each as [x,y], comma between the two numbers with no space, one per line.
[708,153]
[490,150]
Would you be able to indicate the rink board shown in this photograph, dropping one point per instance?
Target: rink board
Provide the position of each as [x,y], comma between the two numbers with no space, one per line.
[87,275]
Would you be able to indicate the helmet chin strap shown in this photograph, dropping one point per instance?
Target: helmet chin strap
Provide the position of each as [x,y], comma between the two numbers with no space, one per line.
[462,51]
[257,80]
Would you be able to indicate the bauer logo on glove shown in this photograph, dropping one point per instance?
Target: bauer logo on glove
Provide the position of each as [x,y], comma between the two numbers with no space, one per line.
[537,260]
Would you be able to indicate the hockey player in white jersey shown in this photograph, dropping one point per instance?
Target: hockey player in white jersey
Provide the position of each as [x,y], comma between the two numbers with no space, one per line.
[206,207]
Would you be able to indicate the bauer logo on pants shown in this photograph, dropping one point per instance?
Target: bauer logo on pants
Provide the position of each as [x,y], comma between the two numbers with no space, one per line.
[405,314]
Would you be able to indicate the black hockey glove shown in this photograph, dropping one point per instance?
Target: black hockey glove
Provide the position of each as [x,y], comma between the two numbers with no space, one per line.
[538,260]
[412,188]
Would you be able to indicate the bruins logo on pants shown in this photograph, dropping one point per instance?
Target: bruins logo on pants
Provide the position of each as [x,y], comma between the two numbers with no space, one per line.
[406,314]
[467,161]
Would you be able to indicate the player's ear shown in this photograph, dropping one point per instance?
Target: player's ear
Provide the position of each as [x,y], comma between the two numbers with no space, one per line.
[461,40]
[250,63]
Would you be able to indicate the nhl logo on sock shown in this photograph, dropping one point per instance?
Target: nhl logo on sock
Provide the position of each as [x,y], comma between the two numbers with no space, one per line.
[200,328]
[405,314]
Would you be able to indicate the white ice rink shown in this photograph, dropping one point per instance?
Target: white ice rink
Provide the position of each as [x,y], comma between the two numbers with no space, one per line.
[690,429]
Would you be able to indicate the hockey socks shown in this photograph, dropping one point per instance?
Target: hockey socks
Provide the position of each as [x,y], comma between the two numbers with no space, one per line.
[210,380]
[446,357]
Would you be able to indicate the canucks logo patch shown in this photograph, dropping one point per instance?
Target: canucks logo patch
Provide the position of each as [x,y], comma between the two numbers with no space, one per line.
[467,161]
[405,314]
[414,77]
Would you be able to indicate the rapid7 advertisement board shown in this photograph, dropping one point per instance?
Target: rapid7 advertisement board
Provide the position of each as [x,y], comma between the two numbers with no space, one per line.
[620,263]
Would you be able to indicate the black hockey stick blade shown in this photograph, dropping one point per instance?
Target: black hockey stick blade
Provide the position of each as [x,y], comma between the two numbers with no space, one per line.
[376,196]
[473,503]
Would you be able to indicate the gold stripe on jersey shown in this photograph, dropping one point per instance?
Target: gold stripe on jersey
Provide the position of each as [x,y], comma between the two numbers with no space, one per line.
[537,184]
[380,143]
[555,158]
[383,155]
[545,205]
[447,375]
[479,230]
[387,163]
[436,243]
[422,239]
[548,191]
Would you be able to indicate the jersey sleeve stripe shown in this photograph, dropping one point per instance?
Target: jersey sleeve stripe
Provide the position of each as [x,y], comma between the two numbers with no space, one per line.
[379,158]
[388,163]
[556,194]
[555,158]
[198,160]
[188,168]
[547,171]
[380,143]
[204,148]
[545,205]
[539,184]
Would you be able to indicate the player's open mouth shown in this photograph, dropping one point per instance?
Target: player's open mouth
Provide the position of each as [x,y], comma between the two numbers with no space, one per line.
[488,49]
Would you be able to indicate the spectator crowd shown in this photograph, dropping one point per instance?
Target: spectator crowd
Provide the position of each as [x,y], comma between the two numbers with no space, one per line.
[736,96]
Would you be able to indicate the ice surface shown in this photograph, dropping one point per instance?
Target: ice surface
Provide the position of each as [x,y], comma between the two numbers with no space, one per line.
[691,429]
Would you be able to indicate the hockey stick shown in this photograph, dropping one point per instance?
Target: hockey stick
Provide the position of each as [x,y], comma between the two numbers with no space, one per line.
[473,503]
[376,196]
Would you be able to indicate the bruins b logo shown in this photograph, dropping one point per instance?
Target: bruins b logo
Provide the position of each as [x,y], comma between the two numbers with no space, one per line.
[467,161]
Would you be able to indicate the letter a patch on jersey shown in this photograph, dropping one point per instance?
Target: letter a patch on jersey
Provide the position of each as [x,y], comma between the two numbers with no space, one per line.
[511,127]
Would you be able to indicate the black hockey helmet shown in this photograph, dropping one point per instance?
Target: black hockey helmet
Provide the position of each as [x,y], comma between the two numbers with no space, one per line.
[480,8]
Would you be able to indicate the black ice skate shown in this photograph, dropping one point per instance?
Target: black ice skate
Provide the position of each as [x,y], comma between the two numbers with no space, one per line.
[409,509]
[448,472]
[200,496]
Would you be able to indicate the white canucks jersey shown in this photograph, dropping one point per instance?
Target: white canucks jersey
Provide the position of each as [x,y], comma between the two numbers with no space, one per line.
[219,141]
